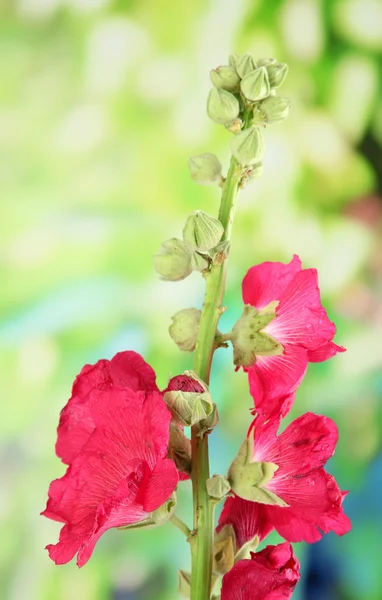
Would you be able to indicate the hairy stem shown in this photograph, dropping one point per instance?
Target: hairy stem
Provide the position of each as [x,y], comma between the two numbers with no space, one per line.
[201,542]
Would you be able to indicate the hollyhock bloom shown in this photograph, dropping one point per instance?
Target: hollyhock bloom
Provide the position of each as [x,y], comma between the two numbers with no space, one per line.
[114,435]
[312,496]
[300,325]
[271,574]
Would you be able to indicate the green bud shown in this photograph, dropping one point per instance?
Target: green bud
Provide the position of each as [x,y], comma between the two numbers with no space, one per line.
[272,109]
[179,449]
[225,78]
[184,328]
[223,551]
[248,146]
[218,486]
[265,62]
[184,584]
[245,64]
[277,73]
[188,408]
[222,106]
[248,340]
[201,231]
[248,479]
[173,261]
[208,424]
[233,60]
[205,169]
[255,86]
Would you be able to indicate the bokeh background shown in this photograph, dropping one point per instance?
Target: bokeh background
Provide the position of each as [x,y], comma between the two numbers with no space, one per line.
[102,103]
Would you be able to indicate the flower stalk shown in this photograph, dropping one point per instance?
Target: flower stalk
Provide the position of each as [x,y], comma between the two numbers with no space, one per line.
[201,542]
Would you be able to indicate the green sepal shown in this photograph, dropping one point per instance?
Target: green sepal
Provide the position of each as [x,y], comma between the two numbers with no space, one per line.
[184,584]
[248,478]
[218,486]
[188,408]
[277,73]
[205,169]
[184,328]
[247,338]
[224,550]
[245,551]
[202,231]
[173,261]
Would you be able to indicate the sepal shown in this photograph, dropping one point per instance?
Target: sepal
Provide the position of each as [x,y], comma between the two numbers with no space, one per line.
[205,169]
[184,328]
[218,486]
[173,261]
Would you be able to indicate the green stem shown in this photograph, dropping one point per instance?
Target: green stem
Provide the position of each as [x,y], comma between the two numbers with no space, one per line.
[180,525]
[201,541]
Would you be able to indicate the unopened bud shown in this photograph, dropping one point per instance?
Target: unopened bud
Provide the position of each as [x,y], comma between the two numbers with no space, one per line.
[248,340]
[265,62]
[222,106]
[248,479]
[202,231]
[179,449]
[184,584]
[248,146]
[223,550]
[218,486]
[184,328]
[277,73]
[205,169]
[233,60]
[245,64]
[188,408]
[173,261]
[274,108]
[255,86]
[225,78]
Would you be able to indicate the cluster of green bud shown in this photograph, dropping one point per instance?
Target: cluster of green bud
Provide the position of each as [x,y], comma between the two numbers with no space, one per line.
[244,98]
[177,259]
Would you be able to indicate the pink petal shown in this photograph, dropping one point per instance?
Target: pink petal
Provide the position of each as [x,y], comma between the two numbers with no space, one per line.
[315,506]
[247,518]
[273,408]
[128,369]
[301,319]
[160,486]
[276,376]
[324,352]
[107,481]
[266,282]
[306,444]
[271,574]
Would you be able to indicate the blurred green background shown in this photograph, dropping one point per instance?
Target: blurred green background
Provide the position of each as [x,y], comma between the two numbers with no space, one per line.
[101,104]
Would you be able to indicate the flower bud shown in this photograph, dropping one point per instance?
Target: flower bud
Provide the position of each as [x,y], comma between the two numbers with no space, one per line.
[248,146]
[184,328]
[225,78]
[255,86]
[205,169]
[248,340]
[233,60]
[277,73]
[188,408]
[245,64]
[201,231]
[222,106]
[179,449]
[223,550]
[248,478]
[173,261]
[265,62]
[274,108]
[218,486]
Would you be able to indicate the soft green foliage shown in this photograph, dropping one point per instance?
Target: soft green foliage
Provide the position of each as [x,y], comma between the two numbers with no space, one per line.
[101,105]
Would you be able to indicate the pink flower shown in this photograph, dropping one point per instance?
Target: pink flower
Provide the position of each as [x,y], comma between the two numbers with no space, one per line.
[114,435]
[301,326]
[271,574]
[313,497]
